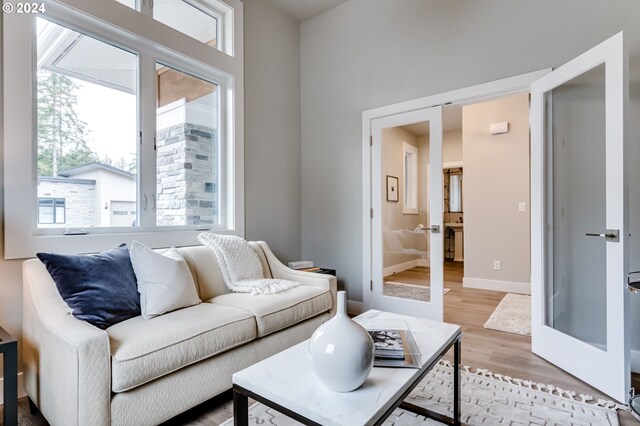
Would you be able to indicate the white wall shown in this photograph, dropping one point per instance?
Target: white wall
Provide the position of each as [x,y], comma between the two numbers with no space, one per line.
[10,275]
[452,146]
[365,54]
[272,128]
[496,179]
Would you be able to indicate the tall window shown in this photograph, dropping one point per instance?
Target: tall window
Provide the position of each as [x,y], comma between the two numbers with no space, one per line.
[87,121]
[410,174]
[137,129]
[187,149]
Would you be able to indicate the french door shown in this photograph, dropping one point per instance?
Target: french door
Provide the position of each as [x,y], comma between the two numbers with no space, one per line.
[580,220]
[407,214]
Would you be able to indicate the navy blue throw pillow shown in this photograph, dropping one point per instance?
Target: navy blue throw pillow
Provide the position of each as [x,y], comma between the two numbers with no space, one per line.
[101,289]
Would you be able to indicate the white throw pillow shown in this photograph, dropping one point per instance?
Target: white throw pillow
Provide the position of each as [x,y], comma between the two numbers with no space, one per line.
[164,280]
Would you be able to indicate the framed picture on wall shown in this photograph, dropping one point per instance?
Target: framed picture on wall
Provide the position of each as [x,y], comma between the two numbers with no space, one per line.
[392,188]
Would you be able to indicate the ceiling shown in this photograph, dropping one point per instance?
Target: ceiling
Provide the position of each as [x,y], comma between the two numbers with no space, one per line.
[306,9]
[451,120]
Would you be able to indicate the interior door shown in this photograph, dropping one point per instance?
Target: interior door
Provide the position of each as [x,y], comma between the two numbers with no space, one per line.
[407,206]
[579,218]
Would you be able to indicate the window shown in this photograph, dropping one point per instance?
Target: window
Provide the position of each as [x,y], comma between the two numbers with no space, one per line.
[137,133]
[131,3]
[188,17]
[208,21]
[410,174]
[187,149]
[85,86]
[51,211]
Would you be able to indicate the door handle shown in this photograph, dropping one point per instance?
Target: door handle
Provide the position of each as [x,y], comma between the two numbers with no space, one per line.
[435,229]
[609,235]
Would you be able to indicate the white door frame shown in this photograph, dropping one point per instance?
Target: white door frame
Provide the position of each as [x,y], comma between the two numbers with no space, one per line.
[468,95]
[607,370]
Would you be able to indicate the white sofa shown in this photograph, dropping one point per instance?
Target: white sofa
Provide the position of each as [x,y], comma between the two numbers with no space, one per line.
[403,245]
[143,372]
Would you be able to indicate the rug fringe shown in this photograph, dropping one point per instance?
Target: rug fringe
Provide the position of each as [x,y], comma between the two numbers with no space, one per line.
[550,389]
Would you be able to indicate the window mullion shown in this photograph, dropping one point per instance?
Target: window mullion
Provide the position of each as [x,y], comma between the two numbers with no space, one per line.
[147,175]
[146,7]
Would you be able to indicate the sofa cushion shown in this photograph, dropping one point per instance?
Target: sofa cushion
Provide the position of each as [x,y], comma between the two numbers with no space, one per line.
[143,350]
[165,282]
[274,312]
[100,288]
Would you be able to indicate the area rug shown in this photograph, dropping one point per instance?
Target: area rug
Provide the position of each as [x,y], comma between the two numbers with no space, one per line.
[487,399]
[408,291]
[512,315]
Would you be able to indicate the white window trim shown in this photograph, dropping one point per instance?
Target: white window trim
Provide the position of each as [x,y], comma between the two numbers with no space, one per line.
[410,178]
[98,17]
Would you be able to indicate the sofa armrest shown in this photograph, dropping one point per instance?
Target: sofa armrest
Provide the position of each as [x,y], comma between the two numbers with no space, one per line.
[281,271]
[67,370]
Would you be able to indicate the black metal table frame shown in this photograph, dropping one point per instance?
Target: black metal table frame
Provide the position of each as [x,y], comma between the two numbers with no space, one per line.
[241,395]
[9,349]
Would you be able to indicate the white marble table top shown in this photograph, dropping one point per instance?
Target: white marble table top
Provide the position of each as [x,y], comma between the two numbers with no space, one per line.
[287,378]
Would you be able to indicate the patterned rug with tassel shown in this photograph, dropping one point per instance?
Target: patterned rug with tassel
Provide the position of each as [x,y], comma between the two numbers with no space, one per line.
[487,399]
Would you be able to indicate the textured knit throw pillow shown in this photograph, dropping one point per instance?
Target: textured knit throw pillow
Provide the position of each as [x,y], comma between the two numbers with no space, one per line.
[100,288]
[165,282]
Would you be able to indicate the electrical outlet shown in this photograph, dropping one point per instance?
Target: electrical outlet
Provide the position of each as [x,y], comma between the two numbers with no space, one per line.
[522,206]
[496,265]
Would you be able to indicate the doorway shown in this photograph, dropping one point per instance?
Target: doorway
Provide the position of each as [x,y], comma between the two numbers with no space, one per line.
[553,339]
[373,208]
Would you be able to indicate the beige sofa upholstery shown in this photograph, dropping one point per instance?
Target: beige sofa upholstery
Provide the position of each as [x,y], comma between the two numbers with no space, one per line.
[143,372]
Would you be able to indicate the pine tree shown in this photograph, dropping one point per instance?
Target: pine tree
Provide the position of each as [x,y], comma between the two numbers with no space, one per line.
[62,136]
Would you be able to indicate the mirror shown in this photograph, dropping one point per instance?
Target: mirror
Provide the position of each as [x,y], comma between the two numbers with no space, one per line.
[455,193]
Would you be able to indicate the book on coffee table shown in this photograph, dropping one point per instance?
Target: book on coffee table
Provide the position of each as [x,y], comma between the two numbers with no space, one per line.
[393,347]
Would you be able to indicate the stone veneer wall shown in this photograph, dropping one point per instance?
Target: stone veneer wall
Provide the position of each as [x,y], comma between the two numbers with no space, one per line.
[187,172]
[79,199]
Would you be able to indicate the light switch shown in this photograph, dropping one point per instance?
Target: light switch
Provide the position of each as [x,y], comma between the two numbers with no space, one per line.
[522,206]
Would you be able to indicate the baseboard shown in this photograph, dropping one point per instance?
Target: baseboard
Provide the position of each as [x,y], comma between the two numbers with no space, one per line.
[394,269]
[497,285]
[355,308]
[21,391]
[635,361]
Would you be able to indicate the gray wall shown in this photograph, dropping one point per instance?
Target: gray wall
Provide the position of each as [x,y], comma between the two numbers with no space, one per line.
[272,128]
[365,54]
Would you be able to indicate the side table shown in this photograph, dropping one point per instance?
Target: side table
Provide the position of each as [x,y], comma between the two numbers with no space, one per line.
[9,349]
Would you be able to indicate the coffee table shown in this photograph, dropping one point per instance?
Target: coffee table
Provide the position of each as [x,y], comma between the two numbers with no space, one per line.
[286,381]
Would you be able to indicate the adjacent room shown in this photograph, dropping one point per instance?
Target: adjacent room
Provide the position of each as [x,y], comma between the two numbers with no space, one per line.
[323,212]
[485,197]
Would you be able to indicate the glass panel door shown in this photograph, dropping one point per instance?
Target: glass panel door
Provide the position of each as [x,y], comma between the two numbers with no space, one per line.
[579,220]
[407,232]
[576,199]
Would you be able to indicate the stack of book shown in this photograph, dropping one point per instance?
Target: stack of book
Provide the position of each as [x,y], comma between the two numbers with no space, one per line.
[301,264]
[394,348]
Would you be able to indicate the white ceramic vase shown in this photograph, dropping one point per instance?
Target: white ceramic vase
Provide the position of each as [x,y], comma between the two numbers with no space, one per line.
[341,351]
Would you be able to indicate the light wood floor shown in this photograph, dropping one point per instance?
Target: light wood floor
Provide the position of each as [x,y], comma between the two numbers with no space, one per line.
[499,352]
